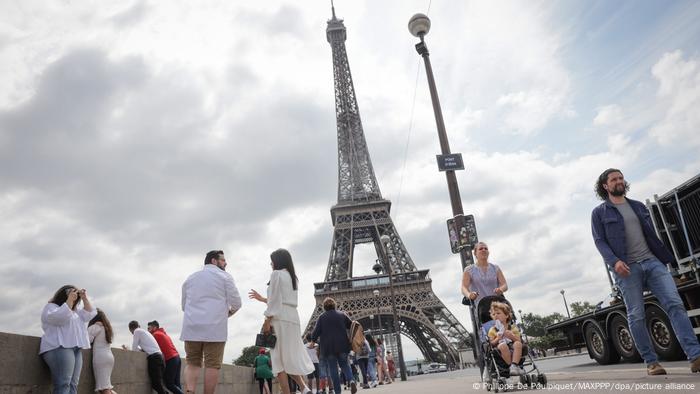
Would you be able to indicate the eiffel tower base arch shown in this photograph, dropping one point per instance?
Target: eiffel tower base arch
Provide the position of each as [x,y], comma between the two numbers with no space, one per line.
[422,316]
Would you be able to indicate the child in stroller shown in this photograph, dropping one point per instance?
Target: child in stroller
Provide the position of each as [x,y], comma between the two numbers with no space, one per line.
[496,358]
[505,336]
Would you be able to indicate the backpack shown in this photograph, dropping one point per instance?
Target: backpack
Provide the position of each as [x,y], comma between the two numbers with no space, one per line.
[357,337]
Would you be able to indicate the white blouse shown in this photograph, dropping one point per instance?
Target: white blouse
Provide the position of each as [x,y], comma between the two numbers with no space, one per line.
[64,327]
[282,298]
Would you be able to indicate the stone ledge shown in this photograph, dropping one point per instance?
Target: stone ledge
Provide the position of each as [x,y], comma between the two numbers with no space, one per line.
[23,371]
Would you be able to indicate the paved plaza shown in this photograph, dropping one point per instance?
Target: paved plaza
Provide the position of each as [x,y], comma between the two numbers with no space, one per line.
[576,374]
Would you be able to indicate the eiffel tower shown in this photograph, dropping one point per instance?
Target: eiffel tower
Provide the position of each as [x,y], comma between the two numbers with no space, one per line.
[362,216]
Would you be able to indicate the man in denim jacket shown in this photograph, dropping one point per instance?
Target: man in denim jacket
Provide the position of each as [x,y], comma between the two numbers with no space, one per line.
[624,235]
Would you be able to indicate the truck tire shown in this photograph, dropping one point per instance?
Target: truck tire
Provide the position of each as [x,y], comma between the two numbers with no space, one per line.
[662,336]
[622,340]
[601,349]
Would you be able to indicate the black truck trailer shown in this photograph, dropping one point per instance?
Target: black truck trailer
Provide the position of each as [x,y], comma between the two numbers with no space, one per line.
[604,332]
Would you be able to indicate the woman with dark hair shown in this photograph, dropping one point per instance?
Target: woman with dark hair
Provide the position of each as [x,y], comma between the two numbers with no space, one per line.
[65,333]
[289,357]
[101,334]
[372,364]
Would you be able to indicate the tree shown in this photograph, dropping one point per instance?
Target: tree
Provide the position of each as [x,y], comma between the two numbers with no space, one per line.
[534,328]
[581,308]
[546,341]
[247,357]
[535,324]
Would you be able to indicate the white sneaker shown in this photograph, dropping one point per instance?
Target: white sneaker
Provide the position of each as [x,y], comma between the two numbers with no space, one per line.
[514,370]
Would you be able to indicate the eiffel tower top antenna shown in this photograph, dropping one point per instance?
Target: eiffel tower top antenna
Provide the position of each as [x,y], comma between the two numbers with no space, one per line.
[356,179]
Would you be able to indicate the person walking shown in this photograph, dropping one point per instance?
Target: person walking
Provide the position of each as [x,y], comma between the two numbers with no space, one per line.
[173,364]
[288,356]
[390,365]
[144,341]
[372,361]
[331,328]
[313,351]
[65,333]
[263,371]
[381,363]
[101,335]
[363,361]
[209,298]
[624,235]
[482,278]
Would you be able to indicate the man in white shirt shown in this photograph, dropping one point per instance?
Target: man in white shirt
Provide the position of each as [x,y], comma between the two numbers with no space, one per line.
[209,298]
[144,341]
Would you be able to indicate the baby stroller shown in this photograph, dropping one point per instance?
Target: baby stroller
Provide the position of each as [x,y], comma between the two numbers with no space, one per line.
[496,371]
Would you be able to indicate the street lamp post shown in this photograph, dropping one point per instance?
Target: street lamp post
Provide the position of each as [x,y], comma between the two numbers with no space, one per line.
[522,324]
[419,26]
[379,317]
[565,304]
[385,242]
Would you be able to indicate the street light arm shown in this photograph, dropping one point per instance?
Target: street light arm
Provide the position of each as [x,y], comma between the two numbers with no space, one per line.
[422,49]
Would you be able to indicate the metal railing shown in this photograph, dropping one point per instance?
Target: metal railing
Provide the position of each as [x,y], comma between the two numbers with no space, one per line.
[372,281]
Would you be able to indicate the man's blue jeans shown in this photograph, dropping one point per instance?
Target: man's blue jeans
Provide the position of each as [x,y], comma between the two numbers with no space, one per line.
[652,274]
[333,361]
[65,365]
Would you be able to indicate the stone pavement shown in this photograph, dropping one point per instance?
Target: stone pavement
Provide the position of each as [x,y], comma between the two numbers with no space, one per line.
[598,379]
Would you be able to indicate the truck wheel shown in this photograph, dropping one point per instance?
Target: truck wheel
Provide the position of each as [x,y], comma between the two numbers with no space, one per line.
[662,336]
[622,340]
[601,349]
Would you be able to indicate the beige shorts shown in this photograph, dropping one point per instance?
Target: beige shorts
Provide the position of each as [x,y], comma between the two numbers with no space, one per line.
[211,352]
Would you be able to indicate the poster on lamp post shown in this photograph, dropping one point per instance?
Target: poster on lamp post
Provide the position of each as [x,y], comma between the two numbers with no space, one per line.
[462,232]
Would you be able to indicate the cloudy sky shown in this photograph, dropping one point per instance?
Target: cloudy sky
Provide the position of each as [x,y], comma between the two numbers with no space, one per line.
[137,135]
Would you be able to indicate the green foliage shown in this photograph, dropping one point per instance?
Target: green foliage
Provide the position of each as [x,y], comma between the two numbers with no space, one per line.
[247,357]
[581,308]
[535,324]
[533,327]
[547,341]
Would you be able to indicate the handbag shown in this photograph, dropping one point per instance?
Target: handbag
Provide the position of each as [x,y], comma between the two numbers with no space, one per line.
[265,340]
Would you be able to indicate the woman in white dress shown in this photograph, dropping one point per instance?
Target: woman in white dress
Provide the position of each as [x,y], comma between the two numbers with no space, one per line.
[100,332]
[289,356]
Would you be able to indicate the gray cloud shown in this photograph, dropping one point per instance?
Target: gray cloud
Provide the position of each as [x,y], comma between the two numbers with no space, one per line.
[145,142]
[132,15]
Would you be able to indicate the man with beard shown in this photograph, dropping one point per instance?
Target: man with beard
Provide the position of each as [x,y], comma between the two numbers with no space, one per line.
[625,237]
[209,298]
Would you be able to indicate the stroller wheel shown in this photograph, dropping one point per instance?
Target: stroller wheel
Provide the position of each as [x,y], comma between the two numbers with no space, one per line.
[502,385]
[488,386]
[542,379]
[524,380]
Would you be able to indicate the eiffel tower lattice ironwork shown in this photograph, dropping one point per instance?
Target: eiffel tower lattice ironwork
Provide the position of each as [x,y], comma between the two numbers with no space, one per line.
[362,216]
